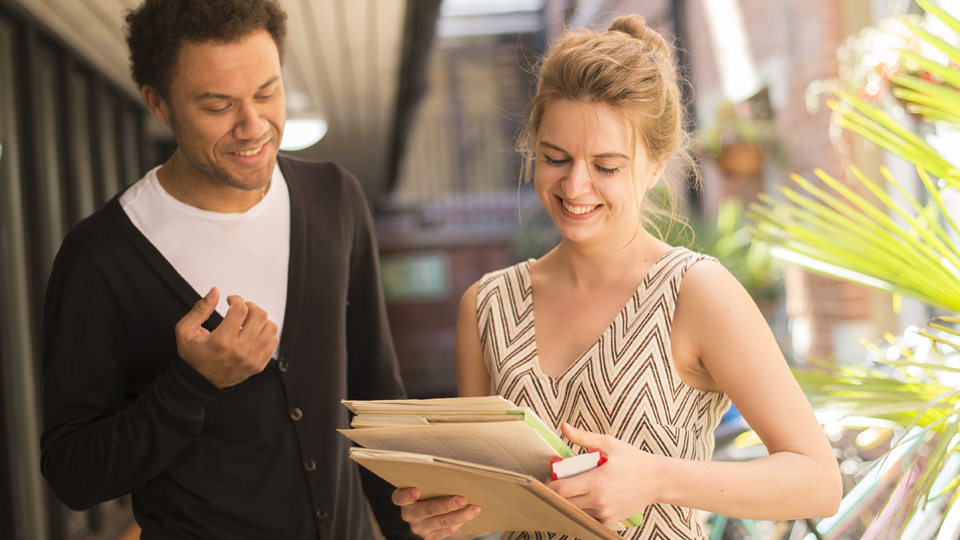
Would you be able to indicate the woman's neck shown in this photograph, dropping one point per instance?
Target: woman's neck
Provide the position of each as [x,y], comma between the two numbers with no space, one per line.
[596,264]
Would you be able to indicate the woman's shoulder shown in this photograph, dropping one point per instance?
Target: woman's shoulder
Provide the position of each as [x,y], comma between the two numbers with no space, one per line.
[513,280]
[706,283]
[517,273]
[685,254]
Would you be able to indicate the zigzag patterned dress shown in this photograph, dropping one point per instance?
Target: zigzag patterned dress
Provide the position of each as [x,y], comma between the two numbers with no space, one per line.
[624,385]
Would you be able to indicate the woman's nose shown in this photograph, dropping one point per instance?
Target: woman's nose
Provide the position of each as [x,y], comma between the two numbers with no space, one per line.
[578,181]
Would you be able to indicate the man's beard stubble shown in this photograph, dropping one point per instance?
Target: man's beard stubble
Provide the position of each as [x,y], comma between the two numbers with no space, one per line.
[212,170]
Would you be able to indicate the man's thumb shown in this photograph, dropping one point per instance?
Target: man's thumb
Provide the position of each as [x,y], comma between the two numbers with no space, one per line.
[202,310]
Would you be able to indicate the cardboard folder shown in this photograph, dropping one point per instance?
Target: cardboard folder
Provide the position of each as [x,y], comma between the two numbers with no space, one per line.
[509,501]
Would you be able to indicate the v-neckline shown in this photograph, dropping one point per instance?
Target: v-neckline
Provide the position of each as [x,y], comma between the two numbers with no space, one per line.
[580,358]
[296,272]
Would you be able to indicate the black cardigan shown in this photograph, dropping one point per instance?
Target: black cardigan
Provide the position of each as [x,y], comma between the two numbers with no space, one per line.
[123,413]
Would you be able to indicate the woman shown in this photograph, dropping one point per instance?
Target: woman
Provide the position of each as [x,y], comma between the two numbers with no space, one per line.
[623,342]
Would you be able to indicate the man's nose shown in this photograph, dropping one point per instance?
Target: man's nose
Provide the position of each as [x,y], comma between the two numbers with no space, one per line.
[251,125]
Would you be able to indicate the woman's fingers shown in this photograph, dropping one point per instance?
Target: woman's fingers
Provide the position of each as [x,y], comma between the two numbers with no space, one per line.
[433,519]
[405,496]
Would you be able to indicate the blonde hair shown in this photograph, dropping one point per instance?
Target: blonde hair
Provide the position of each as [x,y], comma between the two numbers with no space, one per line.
[629,68]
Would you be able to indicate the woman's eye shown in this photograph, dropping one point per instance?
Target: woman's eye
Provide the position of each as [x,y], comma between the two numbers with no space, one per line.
[605,170]
[550,161]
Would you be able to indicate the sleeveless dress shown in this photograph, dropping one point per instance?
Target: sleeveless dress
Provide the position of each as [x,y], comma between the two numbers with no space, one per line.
[624,385]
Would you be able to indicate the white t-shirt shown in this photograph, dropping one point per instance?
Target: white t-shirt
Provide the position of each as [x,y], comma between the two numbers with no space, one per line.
[243,253]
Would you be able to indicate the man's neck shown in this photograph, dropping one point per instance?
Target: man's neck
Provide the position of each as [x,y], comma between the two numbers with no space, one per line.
[193,187]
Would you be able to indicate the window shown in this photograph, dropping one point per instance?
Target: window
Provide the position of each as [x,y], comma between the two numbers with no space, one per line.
[129,136]
[81,163]
[16,337]
[107,138]
[49,164]
[69,140]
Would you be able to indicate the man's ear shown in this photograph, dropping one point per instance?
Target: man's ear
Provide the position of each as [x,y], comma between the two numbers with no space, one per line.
[157,105]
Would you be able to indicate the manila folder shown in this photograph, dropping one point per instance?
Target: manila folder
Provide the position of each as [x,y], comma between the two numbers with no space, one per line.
[509,501]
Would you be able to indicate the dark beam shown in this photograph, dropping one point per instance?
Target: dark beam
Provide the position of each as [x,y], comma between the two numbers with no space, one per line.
[418,33]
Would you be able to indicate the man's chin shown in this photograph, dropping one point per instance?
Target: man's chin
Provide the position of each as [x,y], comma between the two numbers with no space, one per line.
[246,179]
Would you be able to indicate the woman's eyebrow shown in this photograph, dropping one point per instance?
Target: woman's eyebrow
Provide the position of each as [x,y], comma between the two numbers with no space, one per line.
[552,146]
[604,155]
[611,155]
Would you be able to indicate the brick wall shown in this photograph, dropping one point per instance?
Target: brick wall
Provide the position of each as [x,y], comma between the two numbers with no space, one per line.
[793,43]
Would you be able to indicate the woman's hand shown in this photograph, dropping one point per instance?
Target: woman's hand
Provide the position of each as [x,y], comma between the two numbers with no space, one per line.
[625,484]
[433,519]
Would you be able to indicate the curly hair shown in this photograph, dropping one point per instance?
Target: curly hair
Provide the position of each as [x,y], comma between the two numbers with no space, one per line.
[157,29]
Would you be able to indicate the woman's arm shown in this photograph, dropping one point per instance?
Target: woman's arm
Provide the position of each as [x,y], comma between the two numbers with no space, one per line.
[717,321]
[472,377]
[800,477]
[442,517]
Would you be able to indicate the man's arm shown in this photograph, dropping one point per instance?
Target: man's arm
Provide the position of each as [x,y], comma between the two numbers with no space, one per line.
[94,447]
[372,369]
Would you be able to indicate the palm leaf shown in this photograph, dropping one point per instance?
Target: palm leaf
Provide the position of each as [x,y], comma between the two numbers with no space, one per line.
[848,232]
[900,246]
[931,7]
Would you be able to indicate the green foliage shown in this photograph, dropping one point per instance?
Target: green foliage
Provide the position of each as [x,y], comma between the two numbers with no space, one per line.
[740,123]
[728,239]
[866,236]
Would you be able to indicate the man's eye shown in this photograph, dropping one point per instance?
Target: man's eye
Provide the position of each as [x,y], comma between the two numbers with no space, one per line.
[216,111]
[268,96]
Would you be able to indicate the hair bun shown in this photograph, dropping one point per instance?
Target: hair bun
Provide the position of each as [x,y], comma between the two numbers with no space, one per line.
[636,26]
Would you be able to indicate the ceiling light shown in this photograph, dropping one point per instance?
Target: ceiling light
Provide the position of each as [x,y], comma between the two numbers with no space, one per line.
[303,133]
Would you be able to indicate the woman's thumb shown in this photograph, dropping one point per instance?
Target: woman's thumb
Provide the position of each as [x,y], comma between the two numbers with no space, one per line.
[581,437]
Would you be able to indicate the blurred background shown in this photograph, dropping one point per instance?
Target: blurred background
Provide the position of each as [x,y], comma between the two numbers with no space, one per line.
[422,100]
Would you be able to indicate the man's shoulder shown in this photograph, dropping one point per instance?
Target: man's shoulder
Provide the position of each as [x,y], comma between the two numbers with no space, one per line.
[98,232]
[316,175]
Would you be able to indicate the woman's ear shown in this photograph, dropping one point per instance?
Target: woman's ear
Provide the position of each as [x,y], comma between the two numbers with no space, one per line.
[656,171]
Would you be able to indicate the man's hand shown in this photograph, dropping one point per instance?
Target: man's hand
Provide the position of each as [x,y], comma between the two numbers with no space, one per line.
[433,519]
[240,347]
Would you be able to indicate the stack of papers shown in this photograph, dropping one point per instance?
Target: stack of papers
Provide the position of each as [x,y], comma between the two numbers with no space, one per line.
[489,430]
[486,449]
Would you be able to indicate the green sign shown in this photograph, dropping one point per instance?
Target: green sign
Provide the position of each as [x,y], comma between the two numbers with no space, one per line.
[421,277]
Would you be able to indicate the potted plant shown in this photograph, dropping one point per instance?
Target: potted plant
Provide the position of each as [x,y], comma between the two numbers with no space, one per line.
[740,135]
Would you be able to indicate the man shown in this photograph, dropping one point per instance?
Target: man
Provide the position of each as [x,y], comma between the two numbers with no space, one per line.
[221,419]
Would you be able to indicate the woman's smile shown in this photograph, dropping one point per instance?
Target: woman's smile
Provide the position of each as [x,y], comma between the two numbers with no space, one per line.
[578,210]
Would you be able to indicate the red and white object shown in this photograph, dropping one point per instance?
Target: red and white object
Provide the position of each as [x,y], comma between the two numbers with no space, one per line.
[565,468]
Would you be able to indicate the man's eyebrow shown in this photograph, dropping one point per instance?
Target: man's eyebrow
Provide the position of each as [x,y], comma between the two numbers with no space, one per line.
[214,95]
[605,155]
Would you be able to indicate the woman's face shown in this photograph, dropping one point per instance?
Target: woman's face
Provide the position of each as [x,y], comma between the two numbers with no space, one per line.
[583,152]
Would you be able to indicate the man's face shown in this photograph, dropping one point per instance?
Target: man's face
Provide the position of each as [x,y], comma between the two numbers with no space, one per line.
[226,108]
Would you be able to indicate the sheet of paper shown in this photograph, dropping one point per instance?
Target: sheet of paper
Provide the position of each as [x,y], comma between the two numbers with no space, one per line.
[509,501]
[495,403]
[513,446]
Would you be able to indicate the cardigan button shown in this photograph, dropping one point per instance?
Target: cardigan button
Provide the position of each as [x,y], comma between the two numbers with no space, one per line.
[296,414]
[310,465]
[283,365]
[321,514]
